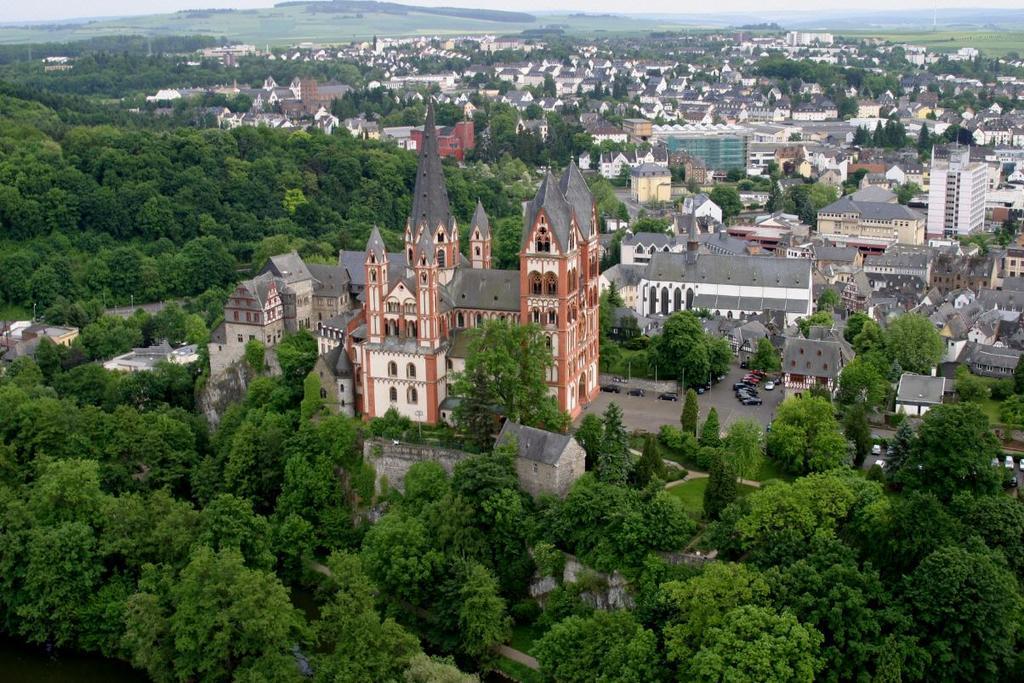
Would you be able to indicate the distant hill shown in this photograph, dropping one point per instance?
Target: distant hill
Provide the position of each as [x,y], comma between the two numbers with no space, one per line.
[334,6]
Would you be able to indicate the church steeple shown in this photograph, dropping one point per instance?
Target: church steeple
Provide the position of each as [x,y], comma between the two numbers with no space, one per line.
[480,238]
[431,214]
[376,265]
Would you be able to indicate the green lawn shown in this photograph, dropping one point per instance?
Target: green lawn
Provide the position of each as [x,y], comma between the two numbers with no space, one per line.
[991,409]
[517,672]
[691,494]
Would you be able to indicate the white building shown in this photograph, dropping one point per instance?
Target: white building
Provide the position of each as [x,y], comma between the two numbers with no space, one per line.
[956,195]
[701,206]
[727,285]
[803,39]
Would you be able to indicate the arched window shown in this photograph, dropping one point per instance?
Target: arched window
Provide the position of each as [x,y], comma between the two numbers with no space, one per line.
[392,369]
[393,394]
[535,283]
[639,249]
[543,242]
[373,276]
[552,317]
[410,255]
[440,236]
[460,321]
[479,320]
[476,250]
[535,315]
[550,284]
[411,395]
[440,258]
[410,371]
[410,329]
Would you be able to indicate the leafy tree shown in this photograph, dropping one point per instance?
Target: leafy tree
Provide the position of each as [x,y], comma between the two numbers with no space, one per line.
[684,350]
[650,466]
[953,452]
[822,318]
[913,342]
[870,338]
[722,487]
[854,324]
[862,383]
[710,433]
[857,431]
[613,459]
[424,669]
[744,447]
[254,355]
[900,448]
[970,387]
[728,199]
[296,354]
[483,622]
[357,644]
[805,436]
[690,415]
[758,644]
[398,557]
[766,357]
[1018,376]
[218,621]
[829,300]
[590,436]
[611,643]
[967,605]
[506,366]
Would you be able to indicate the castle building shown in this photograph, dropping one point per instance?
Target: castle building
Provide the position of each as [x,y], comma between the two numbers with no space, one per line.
[392,326]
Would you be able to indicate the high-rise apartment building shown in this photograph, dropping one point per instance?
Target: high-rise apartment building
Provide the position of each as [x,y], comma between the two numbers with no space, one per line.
[956,196]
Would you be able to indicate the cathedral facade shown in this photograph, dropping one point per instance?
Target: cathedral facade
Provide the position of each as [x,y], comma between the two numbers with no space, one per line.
[393,327]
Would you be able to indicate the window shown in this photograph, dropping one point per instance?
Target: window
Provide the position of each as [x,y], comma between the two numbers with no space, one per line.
[392,369]
[236,315]
[552,317]
[535,283]
[460,321]
[410,371]
[441,258]
[551,284]
[240,339]
[476,251]
[411,395]
[534,315]
[543,241]
[393,395]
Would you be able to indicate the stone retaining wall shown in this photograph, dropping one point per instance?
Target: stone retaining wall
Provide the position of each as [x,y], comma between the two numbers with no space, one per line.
[391,460]
[648,385]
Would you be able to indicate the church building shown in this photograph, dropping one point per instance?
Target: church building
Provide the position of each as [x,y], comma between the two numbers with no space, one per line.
[392,326]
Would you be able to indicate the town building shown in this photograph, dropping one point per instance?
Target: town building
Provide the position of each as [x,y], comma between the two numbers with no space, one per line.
[887,219]
[452,141]
[547,462]
[650,184]
[917,394]
[815,361]
[956,194]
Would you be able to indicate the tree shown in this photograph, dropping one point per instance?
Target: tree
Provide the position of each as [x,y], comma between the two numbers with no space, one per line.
[590,436]
[758,644]
[854,324]
[829,300]
[861,382]
[953,452]
[744,447]
[728,199]
[684,350]
[822,318]
[690,415]
[506,369]
[296,354]
[482,621]
[710,433]
[613,459]
[967,605]
[970,387]
[805,436]
[424,669]
[398,557]
[650,466]
[900,448]
[218,621]
[611,643]
[913,342]
[357,644]
[722,487]
[255,352]
[857,431]
[1018,376]
[766,357]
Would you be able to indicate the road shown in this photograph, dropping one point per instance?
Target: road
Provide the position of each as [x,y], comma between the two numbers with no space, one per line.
[649,414]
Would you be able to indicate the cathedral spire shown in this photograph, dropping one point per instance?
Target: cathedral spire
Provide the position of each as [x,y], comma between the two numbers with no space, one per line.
[430,206]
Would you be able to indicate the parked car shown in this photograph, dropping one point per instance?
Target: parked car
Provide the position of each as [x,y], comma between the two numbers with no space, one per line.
[759,373]
[620,380]
[753,379]
[668,396]
[1008,462]
[752,401]
[769,385]
[701,390]
[746,391]
[876,449]
[740,385]
[744,364]
[611,389]
[636,391]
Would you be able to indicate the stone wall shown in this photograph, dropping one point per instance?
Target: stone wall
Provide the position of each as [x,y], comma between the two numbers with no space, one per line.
[649,385]
[604,591]
[391,461]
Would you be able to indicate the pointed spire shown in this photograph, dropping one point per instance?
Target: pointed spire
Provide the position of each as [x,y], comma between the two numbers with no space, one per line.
[480,221]
[430,197]
[574,187]
[425,247]
[375,246]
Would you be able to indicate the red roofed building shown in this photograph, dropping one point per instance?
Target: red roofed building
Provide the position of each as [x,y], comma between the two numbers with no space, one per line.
[452,141]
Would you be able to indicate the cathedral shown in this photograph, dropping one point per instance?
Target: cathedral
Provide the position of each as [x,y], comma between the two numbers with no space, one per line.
[392,326]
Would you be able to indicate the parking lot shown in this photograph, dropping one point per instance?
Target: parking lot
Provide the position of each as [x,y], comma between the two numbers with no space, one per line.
[647,413]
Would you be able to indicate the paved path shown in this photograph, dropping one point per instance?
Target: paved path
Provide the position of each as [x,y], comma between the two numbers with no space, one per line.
[692,474]
[517,656]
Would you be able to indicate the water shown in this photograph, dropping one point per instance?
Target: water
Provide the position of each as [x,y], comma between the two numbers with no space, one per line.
[22,663]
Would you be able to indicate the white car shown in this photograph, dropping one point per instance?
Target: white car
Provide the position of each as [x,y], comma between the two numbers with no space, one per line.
[876,449]
[880,464]
[769,386]
[1009,462]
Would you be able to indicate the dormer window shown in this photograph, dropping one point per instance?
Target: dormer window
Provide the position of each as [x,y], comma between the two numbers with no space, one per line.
[543,242]
[440,236]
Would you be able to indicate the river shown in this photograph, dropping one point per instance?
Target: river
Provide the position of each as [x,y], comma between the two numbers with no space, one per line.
[22,663]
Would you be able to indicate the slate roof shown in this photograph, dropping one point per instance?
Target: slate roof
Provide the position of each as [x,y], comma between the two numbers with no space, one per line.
[625,274]
[873,193]
[875,211]
[733,270]
[920,389]
[481,221]
[576,192]
[331,280]
[289,267]
[338,361]
[815,357]
[535,444]
[482,288]
[430,197]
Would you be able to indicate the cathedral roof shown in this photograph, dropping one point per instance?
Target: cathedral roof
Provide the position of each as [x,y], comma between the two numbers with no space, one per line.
[484,289]
[430,197]
[575,189]
[375,245]
[550,198]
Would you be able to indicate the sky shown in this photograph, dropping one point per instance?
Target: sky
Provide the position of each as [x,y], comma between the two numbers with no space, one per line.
[19,10]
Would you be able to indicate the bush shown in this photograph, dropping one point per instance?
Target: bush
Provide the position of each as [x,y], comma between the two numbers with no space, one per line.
[525,611]
[876,473]
[1002,389]
[637,343]
[706,458]
[255,355]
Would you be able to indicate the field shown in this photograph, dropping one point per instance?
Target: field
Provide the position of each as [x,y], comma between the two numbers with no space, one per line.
[994,43]
[289,25]
[691,494]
